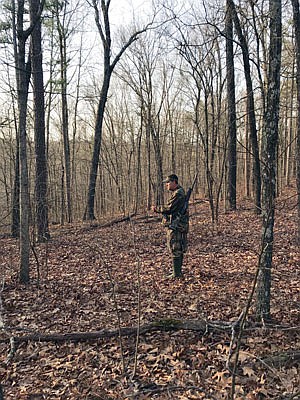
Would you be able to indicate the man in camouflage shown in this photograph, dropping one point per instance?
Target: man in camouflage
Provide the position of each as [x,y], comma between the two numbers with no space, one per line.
[176,233]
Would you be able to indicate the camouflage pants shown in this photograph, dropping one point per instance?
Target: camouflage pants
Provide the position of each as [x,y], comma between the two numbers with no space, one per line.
[177,242]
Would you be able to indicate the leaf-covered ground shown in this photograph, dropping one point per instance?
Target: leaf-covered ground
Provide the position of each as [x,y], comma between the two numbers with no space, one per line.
[84,275]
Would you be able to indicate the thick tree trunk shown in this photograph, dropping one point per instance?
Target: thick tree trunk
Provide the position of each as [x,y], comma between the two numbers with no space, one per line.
[41,174]
[24,189]
[165,325]
[270,139]
[15,223]
[23,76]
[296,18]
[90,207]
[250,108]
[232,166]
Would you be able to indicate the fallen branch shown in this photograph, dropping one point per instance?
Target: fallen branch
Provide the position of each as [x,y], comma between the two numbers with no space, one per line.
[152,389]
[200,326]
[94,225]
[163,325]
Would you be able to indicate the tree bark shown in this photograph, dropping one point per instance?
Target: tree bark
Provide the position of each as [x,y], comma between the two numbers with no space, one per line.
[15,223]
[41,174]
[64,107]
[163,325]
[23,72]
[23,76]
[270,140]
[195,325]
[296,18]
[250,108]
[231,112]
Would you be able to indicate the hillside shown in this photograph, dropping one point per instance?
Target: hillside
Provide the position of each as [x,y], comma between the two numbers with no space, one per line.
[98,279]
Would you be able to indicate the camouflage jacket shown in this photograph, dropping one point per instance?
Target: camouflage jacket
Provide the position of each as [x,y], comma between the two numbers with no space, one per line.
[172,209]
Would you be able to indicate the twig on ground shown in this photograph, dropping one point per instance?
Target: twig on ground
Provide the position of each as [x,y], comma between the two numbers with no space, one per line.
[12,350]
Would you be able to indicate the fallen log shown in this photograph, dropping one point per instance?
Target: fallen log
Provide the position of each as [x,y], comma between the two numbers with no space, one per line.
[94,225]
[201,326]
[162,325]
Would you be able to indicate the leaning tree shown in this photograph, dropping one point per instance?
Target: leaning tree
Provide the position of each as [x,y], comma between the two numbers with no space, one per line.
[102,18]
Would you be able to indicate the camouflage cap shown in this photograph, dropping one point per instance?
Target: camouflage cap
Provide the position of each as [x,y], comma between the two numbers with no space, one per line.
[171,178]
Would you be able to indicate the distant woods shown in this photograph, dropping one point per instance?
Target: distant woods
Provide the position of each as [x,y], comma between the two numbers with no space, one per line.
[95,112]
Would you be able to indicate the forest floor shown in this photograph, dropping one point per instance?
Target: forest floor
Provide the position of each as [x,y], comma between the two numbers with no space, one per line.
[88,279]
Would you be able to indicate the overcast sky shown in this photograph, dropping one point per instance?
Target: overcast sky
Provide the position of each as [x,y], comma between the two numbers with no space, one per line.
[124,9]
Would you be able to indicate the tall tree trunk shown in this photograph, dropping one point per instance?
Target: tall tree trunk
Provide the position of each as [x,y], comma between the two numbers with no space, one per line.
[290,131]
[232,166]
[90,207]
[41,174]
[15,223]
[24,184]
[74,198]
[23,76]
[64,111]
[270,140]
[296,18]
[108,67]
[250,108]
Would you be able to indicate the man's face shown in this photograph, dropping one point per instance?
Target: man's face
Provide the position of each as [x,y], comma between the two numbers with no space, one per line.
[172,185]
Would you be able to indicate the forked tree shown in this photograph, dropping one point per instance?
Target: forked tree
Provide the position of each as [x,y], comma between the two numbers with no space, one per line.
[102,18]
[23,73]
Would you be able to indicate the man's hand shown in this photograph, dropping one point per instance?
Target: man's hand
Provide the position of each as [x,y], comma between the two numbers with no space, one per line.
[153,208]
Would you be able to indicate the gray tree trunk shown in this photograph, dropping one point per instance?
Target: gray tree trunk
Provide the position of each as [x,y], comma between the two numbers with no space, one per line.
[23,74]
[296,18]
[15,223]
[41,174]
[64,111]
[250,108]
[270,140]
[231,112]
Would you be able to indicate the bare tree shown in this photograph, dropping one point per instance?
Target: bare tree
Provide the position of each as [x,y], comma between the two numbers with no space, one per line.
[231,112]
[103,25]
[15,222]
[204,67]
[23,72]
[270,139]
[250,107]
[62,30]
[296,18]
[41,175]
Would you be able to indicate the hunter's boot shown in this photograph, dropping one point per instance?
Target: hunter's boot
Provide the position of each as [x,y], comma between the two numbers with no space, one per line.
[177,266]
